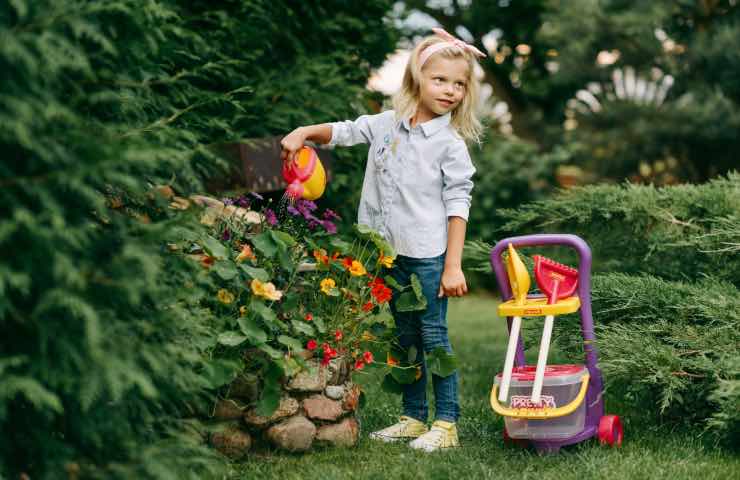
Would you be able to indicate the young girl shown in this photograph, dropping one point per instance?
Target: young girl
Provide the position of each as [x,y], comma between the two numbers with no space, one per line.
[416,193]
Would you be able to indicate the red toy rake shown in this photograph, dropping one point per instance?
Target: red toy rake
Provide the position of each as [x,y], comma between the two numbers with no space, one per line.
[556,281]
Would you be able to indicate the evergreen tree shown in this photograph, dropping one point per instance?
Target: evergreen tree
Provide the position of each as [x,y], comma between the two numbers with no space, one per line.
[104,344]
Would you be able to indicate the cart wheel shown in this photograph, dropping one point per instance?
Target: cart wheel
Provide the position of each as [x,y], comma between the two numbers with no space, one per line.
[519,442]
[610,431]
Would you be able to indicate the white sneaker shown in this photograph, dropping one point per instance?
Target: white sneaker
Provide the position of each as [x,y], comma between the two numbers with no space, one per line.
[443,435]
[405,429]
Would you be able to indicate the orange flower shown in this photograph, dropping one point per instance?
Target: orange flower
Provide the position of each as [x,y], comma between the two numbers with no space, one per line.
[309,317]
[321,256]
[390,360]
[347,262]
[245,254]
[266,290]
[368,306]
[206,260]
[381,293]
[418,373]
[357,269]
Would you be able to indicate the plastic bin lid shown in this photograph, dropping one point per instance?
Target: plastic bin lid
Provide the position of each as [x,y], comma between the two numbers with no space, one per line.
[554,374]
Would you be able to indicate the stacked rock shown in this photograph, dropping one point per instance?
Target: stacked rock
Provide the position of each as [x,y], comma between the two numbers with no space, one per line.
[317,408]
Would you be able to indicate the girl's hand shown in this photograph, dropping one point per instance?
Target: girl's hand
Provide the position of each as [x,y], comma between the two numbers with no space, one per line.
[453,283]
[291,143]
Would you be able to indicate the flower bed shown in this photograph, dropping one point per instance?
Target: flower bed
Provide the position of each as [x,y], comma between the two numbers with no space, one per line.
[303,314]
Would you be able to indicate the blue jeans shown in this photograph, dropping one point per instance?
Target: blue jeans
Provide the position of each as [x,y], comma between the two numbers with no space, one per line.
[426,330]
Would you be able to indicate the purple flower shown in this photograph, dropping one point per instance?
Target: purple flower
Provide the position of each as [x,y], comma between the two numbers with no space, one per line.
[256,195]
[243,202]
[227,201]
[292,210]
[329,226]
[330,215]
[226,236]
[270,217]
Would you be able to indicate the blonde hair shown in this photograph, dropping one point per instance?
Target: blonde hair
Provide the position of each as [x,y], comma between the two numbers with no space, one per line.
[464,117]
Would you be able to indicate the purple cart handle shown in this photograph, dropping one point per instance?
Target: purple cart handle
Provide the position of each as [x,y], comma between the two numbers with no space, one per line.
[584,284]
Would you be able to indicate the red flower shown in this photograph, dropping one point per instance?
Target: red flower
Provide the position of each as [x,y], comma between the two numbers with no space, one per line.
[325,347]
[359,365]
[338,335]
[375,282]
[311,345]
[325,361]
[381,293]
[347,262]
[309,317]
[368,306]
[368,357]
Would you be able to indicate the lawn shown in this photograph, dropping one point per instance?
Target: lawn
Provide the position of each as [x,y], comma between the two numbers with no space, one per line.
[479,339]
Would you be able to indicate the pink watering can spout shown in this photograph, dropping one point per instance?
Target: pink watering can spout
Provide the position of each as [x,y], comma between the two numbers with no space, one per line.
[305,176]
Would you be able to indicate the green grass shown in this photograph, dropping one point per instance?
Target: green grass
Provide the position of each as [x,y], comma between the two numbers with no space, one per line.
[479,339]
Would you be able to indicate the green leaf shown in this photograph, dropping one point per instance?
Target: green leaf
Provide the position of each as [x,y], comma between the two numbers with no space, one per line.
[267,314]
[265,243]
[290,342]
[221,371]
[391,282]
[214,248]
[340,245]
[304,328]
[286,261]
[225,269]
[231,339]
[440,362]
[416,287]
[272,352]
[282,239]
[407,302]
[320,326]
[404,375]
[289,365]
[390,385]
[252,330]
[271,390]
[253,272]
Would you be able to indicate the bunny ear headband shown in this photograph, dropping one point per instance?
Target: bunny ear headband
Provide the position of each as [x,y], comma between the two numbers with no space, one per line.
[449,41]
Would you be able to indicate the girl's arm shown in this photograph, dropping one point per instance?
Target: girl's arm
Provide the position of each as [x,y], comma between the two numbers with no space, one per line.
[453,280]
[295,140]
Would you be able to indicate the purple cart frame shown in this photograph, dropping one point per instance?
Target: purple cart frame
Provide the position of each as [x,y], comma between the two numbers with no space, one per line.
[594,400]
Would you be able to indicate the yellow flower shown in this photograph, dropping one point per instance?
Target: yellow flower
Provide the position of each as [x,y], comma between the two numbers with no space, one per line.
[387,262]
[357,269]
[327,285]
[266,290]
[242,310]
[258,288]
[418,373]
[367,336]
[225,296]
[272,293]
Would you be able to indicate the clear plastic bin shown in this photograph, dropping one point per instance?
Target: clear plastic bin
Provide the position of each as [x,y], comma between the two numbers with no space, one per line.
[561,385]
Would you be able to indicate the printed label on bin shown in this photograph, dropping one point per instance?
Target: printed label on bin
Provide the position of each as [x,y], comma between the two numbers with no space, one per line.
[525,401]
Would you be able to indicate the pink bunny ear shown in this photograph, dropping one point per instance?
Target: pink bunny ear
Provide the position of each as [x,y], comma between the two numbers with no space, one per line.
[449,41]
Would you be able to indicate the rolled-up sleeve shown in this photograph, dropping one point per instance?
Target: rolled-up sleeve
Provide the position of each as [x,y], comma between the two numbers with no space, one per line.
[457,175]
[362,130]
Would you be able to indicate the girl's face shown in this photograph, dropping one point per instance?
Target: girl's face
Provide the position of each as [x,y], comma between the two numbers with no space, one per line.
[442,88]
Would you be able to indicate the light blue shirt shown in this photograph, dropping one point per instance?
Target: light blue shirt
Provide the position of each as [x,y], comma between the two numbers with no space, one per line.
[414,180]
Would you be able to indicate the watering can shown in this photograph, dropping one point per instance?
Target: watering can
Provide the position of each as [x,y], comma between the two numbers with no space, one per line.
[305,175]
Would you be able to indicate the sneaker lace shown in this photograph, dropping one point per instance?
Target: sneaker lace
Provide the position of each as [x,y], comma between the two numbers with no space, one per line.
[435,436]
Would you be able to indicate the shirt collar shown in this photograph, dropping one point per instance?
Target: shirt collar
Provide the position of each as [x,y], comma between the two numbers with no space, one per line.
[430,127]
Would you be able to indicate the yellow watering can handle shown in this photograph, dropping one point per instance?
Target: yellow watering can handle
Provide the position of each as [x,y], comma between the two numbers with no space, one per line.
[518,276]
